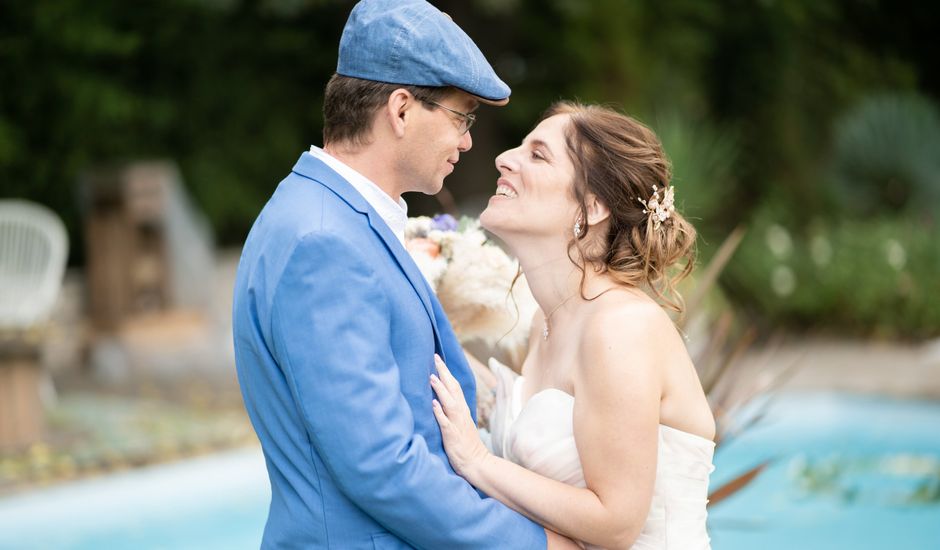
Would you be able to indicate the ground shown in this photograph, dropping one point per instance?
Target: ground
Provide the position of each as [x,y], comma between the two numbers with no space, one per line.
[184,402]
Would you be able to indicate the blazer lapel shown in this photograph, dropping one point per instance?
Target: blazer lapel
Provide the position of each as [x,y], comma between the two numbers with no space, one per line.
[312,168]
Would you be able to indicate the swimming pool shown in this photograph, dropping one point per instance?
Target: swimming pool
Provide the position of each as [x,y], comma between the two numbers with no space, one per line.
[215,502]
[847,472]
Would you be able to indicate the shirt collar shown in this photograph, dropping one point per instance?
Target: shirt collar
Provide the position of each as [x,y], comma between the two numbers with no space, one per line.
[395,215]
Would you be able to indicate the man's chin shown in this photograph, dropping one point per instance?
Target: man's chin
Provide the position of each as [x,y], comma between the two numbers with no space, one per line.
[433,188]
[427,188]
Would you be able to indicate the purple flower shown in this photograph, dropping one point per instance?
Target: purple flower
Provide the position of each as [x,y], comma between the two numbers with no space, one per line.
[444,222]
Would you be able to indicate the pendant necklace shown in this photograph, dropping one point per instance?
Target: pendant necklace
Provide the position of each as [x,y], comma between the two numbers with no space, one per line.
[548,318]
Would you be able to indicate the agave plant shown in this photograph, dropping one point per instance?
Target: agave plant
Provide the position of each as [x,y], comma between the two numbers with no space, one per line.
[717,344]
[886,156]
[704,159]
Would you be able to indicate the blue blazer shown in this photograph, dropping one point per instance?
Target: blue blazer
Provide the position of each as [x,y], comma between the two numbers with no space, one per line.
[335,331]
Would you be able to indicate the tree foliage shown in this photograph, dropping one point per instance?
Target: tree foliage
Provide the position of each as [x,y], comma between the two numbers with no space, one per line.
[231,89]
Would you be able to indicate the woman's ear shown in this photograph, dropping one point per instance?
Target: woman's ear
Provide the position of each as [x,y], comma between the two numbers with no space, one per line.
[597,211]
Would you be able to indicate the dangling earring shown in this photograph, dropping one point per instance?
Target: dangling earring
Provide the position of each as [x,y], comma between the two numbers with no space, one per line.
[577,227]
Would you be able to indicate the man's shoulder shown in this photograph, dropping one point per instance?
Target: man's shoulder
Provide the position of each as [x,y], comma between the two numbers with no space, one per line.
[306,205]
[301,213]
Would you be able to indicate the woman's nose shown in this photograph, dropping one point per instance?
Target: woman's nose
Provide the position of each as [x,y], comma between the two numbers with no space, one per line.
[505,162]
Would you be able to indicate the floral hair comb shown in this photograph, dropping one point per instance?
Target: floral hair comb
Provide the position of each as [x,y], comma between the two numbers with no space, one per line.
[659,209]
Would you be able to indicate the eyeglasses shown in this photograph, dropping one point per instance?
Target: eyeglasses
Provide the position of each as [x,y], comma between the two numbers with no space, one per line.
[467,119]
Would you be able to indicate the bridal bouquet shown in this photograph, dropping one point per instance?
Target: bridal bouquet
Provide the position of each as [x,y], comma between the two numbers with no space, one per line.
[473,279]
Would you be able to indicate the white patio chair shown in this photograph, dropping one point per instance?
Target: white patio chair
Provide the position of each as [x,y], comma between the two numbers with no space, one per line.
[33,250]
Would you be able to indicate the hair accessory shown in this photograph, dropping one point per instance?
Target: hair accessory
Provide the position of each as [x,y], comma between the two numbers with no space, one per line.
[660,211]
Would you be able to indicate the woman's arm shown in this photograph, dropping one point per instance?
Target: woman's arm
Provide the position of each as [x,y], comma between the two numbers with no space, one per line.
[616,422]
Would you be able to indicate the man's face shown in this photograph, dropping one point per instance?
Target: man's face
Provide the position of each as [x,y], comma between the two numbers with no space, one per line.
[435,142]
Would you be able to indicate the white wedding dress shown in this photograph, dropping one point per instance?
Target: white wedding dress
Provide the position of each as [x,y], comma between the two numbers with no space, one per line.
[539,436]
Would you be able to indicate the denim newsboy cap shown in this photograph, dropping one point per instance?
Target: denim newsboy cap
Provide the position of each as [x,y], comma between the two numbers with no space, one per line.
[412,42]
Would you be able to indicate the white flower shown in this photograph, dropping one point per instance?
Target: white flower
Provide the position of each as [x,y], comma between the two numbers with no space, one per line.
[472,279]
[418,226]
[439,236]
[820,250]
[895,254]
[432,268]
[783,281]
[475,293]
[779,241]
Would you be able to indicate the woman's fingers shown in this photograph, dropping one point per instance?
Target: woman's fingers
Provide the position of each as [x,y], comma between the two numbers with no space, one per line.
[447,400]
[458,430]
[441,416]
[452,384]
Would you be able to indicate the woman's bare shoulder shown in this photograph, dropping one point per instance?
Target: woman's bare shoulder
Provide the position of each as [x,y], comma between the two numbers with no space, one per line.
[622,339]
[629,319]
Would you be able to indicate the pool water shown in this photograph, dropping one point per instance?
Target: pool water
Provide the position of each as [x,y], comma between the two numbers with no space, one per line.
[846,472]
[215,502]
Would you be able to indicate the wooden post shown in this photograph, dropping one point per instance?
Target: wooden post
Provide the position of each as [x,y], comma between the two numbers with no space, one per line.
[21,412]
[128,264]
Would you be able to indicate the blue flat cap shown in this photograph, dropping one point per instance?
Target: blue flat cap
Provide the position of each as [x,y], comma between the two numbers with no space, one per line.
[412,42]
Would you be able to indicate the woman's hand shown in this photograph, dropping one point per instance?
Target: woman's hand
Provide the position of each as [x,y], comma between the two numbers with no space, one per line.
[486,389]
[462,442]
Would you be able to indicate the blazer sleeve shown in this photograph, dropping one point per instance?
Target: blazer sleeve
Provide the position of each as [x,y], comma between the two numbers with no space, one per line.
[331,334]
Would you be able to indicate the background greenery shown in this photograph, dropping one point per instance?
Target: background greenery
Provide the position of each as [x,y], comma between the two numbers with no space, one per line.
[816,120]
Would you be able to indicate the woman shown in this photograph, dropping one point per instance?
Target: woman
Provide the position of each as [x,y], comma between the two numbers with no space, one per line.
[606,437]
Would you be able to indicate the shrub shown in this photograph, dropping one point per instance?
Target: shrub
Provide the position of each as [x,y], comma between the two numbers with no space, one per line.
[864,277]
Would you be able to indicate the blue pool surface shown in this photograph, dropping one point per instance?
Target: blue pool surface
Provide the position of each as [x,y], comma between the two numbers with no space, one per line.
[846,472]
[874,470]
[214,503]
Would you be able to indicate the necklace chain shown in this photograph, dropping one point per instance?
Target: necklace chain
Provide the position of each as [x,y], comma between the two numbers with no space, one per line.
[548,318]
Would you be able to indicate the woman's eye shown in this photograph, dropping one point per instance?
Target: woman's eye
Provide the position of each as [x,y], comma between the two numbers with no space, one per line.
[537,155]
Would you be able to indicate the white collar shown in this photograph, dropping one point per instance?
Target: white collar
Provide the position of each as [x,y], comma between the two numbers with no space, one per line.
[394,214]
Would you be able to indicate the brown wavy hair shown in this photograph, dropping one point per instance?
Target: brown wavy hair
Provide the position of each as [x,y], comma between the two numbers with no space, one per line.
[619,160]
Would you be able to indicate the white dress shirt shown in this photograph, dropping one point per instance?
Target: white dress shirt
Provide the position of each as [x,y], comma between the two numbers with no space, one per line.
[394,214]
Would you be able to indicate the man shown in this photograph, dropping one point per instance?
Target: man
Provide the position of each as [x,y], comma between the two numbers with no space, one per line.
[336,329]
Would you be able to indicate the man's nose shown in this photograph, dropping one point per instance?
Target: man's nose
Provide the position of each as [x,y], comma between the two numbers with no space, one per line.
[466,142]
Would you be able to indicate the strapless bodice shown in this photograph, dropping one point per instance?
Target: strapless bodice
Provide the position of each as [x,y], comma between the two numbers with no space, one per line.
[539,435]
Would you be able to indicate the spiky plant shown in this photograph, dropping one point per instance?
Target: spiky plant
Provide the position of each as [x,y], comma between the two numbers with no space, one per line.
[717,343]
[886,156]
[704,158]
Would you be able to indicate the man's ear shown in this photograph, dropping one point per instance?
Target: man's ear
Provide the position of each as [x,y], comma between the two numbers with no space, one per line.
[597,211]
[396,110]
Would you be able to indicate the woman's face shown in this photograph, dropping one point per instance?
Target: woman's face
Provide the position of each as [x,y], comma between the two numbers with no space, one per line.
[534,194]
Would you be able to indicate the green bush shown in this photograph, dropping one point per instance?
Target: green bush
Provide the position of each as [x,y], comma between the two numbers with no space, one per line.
[858,255]
[866,277]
